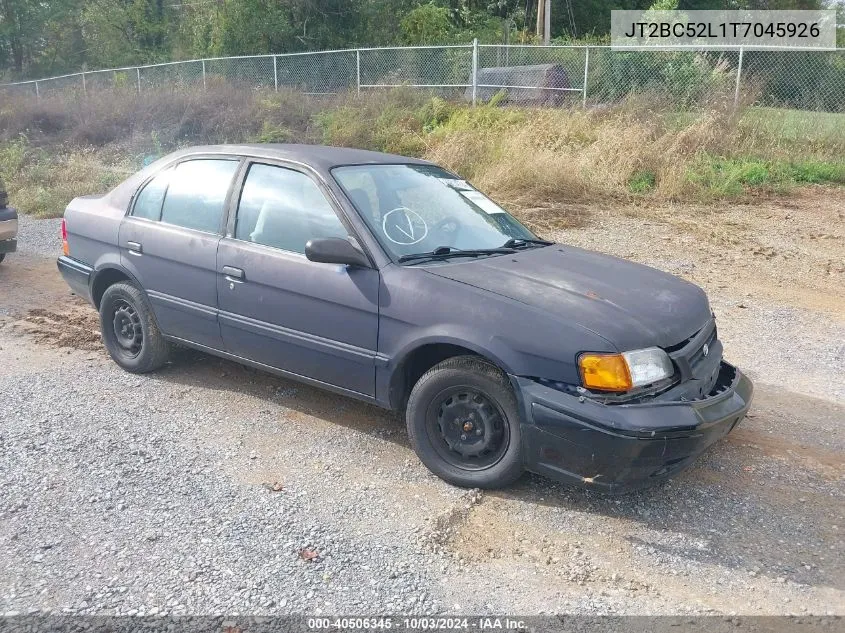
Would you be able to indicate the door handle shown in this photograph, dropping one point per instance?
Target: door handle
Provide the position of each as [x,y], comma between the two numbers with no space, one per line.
[232,273]
[134,248]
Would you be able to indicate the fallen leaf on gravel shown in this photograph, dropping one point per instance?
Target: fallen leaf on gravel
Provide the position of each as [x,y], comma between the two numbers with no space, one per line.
[276,486]
[308,553]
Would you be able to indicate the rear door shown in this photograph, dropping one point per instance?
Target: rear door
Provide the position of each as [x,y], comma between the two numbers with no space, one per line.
[277,307]
[169,242]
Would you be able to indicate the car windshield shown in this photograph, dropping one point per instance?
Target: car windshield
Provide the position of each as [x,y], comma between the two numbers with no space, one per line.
[415,209]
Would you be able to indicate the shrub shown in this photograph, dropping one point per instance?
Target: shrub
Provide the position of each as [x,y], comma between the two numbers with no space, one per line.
[642,182]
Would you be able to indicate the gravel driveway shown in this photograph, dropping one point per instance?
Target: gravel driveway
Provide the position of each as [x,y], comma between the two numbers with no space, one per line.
[211,488]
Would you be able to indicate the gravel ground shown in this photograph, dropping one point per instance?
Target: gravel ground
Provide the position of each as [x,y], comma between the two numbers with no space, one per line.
[39,237]
[209,488]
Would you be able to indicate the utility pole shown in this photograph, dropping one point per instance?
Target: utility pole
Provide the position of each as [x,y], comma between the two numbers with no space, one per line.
[541,6]
[544,20]
[547,26]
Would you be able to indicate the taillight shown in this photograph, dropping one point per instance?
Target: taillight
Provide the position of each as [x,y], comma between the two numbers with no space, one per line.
[65,247]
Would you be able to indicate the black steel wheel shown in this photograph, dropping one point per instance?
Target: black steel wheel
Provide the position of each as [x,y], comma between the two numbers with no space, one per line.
[129,329]
[464,423]
[467,428]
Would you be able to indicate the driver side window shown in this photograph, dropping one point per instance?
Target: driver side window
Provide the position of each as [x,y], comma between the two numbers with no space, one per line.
[284,209]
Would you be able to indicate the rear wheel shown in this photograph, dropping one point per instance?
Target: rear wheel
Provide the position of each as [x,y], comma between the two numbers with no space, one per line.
[129,330]
[463,422]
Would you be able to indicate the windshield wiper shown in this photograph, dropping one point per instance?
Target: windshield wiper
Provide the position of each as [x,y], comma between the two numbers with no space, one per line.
[447,252]
[515,242]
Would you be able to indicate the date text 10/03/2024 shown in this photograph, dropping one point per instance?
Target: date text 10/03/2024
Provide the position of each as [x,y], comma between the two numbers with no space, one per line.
[417,623]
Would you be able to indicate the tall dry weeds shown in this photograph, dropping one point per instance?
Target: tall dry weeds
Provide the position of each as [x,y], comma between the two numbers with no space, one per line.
[526,157]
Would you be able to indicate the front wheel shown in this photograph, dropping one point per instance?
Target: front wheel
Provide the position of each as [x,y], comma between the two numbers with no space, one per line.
[463,422]
[129,330]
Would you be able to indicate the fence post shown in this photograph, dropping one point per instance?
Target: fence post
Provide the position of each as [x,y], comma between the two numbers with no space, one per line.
[37,94]
[138,71]
[358,69]
[275,74]
[474,70]
[84,89]
[203,74]
[586,70]
[738,74]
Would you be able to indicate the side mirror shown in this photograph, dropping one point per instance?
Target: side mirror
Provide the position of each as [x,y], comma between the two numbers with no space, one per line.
[334,250]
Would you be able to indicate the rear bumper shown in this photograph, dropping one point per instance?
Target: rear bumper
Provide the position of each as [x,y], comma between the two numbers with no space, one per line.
[8,230]
[77,275]
[623,447]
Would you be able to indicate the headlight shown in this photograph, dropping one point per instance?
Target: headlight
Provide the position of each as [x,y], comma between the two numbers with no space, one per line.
[623,372]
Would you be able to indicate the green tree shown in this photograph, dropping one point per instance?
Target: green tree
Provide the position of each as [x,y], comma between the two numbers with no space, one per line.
[426,24]
[125,31]
[25,30]
[250,27]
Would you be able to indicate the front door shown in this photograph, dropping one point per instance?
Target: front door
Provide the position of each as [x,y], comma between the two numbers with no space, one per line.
[169,243]
[280,309]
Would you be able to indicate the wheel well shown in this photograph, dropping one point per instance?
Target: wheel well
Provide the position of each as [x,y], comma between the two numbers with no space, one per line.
[417,363]
[103,280]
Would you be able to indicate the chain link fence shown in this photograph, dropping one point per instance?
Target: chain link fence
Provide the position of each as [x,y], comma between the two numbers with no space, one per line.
[518,74]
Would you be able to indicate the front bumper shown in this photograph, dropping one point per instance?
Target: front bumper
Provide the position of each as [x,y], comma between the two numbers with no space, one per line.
[625,446]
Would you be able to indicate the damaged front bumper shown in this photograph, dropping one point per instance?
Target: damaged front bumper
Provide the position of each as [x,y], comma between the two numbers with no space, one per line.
[619,447]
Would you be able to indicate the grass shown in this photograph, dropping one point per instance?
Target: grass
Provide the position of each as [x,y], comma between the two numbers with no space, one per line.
[41,183]
[797,125]
[732,177]
[528,158]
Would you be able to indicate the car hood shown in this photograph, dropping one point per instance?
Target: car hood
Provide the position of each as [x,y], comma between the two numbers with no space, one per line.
[630,305]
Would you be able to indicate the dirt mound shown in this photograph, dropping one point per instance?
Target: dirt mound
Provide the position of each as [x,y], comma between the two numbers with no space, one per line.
[73,326]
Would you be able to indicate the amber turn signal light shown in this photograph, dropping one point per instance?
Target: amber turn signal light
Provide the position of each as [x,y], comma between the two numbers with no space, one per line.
[65,246]
[605,372]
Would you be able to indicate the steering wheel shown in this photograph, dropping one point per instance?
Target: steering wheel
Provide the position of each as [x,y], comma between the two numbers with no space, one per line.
[447,230]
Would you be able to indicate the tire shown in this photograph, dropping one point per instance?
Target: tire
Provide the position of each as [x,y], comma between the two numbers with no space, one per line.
[2,257]
[130,332]
[464,424]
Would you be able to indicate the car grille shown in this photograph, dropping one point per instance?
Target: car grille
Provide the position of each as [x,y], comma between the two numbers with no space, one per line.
[689,357]
[698,355]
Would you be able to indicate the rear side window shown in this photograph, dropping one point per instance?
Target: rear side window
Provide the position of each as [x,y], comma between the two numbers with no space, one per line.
[149,200]
[197,193]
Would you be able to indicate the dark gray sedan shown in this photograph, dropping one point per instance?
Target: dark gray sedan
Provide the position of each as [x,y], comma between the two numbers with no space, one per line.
[391,280]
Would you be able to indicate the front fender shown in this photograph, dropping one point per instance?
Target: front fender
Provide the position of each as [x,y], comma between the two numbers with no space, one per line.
[419,309]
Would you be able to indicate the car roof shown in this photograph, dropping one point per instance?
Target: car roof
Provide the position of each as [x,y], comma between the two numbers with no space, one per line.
[319,156]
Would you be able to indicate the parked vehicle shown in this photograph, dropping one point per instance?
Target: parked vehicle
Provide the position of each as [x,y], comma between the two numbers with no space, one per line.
[391,280]
[8,225]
